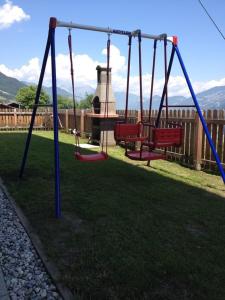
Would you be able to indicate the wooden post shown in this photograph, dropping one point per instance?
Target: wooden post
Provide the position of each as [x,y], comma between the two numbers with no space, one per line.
[67,120]
[137,145]
[198,143]
[208,118]
[138,116]
[214,131]
[82,121]
[220,136]
[15,117]
[7,118]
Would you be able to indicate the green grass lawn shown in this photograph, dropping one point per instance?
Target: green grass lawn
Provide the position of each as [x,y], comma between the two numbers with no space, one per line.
[127,231]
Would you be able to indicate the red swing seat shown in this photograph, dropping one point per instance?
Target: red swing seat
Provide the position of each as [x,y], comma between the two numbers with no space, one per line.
[144,155]
[166,137]
[129,132]
[133,133]
[91,157]
[96,156]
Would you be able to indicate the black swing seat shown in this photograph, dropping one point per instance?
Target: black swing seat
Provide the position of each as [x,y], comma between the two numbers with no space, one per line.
[144,155]
[91,157]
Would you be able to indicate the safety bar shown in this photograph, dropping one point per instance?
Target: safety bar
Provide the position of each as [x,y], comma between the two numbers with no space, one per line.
[178,106]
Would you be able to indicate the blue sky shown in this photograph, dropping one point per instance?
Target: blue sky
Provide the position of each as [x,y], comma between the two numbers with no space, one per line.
[24,27]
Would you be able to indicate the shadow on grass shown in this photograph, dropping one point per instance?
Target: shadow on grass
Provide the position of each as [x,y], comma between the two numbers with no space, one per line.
[126,232]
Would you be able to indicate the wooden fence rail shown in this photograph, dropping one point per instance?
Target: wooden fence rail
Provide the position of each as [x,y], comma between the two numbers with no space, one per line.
[194,152]
[19,119]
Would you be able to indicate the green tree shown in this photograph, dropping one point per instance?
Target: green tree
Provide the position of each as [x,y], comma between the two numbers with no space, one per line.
[26,96]
[64,102]
[86,102]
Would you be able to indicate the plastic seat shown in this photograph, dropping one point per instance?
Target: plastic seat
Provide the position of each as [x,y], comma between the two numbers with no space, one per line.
[91,157]
[165,137]
[129,132]
[144,155]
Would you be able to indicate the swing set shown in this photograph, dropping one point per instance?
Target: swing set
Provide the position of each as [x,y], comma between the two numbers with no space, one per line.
[149,134]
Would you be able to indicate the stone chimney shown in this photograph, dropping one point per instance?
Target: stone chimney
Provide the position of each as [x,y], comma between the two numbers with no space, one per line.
[100,122]
[99,99]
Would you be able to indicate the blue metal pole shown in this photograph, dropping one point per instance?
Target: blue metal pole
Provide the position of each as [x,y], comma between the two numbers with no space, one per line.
[200,114]
[55,124]
[35,107]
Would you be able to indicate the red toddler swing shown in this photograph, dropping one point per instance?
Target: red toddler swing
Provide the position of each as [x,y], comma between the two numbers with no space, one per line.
[103,155]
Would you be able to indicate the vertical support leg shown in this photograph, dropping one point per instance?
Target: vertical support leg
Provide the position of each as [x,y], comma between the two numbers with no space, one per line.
[200,115]
[55,125]
[35,107]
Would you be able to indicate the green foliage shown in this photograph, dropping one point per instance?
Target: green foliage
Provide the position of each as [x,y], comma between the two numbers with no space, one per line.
[64,102]
[86,102]
[26,96]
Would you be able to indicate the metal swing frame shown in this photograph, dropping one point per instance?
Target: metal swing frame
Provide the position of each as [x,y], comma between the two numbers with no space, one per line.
[50,48]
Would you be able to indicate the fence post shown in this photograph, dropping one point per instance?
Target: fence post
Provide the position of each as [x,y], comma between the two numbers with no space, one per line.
[138,116]
[15,117]
[137,145]
[198,133]
[7,118]
[67,120]
[82,121]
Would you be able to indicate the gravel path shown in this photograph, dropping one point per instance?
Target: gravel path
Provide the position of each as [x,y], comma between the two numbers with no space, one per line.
[24,273]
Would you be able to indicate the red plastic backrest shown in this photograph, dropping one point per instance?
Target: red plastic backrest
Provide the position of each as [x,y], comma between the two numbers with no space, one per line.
[168,135]
[122,130]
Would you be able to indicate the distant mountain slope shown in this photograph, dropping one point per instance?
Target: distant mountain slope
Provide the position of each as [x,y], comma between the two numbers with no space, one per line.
[80,92]
[213,98]
[134,101]
[9,87]
[60,92]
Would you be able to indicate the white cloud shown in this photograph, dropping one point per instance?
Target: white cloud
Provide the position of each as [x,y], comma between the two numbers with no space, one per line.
[10,14]
[202,86]
[84,70]
[117,62]
[85,74]
[29,72]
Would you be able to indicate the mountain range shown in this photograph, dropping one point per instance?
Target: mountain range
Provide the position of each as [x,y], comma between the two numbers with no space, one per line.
[9,87]
[213,98]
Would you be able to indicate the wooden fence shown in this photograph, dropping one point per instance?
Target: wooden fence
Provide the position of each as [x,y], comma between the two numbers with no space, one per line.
[194,152]
[19,119]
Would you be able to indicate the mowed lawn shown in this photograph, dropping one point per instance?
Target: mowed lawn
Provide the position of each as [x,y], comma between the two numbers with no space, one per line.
[127,231]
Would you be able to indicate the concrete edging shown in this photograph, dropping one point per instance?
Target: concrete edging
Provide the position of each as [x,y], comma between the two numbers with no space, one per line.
[51,269]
